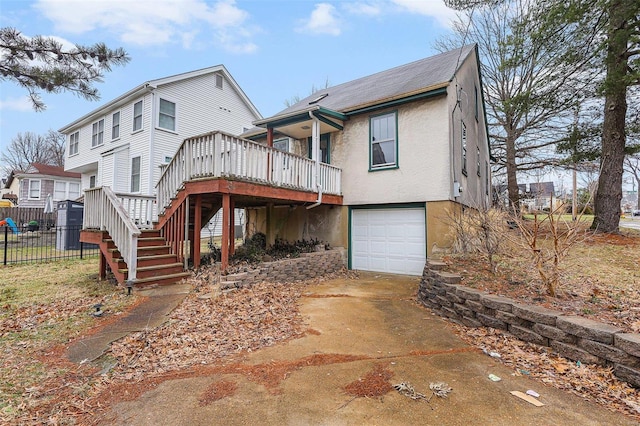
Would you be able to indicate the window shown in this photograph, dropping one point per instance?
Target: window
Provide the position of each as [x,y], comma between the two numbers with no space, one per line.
[135,174]
[463,137]
[219,81]
[115,125]
[92,181]
[281,144]
[325,148]
[167,116]
[60,191]
[137,116]
[97,133]
[74,190]
[478,160]
[383,143]
[73,143]
[486,177]
[477,106]
[34,189]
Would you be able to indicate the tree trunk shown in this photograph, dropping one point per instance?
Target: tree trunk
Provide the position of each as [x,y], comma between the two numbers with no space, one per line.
[512,179]
[609,193]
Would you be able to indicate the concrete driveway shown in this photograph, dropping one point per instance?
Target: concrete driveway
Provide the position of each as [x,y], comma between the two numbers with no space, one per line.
[354,327]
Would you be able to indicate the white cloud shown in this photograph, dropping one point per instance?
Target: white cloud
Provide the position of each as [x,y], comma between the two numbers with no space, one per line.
[433,8]
[22,103]
[362,8]
[323,20]
[155,22]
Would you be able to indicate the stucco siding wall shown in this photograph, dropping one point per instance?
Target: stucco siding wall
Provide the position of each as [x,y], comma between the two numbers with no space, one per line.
[423,157]
[325,223]
[474,184]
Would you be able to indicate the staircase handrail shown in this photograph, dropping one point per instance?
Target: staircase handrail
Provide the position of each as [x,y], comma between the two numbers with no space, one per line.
[104,211]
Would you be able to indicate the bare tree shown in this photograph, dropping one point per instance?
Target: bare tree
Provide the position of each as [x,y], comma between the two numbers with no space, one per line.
[528,90]
[28,147]
[43,64]
[632,165]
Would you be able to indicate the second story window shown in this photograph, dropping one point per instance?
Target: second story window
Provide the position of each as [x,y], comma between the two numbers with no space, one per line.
[97,133]
[115,125]
[34,189]
[73,143]
[281,144]
[137,116]
[383,144]
[167,115]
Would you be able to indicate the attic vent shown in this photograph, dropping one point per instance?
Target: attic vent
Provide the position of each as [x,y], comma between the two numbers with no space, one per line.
[318,99]
[219,81]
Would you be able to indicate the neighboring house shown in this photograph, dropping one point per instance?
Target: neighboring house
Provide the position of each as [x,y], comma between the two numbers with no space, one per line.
[375,165]
[42,182]
[10,188]
[540,196]
[125,143]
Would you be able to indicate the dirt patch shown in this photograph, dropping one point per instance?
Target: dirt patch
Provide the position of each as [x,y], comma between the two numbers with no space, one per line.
[324,296]
[216,391]
[374,384]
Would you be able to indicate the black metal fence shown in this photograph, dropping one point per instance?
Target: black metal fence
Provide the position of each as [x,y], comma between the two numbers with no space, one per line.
[33,242]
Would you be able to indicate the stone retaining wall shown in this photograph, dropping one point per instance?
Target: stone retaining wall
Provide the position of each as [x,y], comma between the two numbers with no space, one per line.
[307,266]
[573,337]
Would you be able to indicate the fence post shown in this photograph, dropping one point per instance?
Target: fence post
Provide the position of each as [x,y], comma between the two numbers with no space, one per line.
[81,249]
[6,243]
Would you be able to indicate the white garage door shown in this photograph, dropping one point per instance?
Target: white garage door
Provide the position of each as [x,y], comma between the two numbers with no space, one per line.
[388,240]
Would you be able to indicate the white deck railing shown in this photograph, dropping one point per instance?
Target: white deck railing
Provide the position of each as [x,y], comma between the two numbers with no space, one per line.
[142,209]
[105,211]
[218,154]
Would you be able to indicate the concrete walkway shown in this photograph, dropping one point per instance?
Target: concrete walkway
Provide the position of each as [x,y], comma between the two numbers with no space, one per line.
[151,313]
[356,327]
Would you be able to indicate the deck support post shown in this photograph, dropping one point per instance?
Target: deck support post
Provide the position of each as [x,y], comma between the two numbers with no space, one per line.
[232,226]
[197,226]
[103,266]
[226,204]
[185,246]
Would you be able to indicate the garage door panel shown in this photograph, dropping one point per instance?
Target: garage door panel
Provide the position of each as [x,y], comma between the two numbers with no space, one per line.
[389,240]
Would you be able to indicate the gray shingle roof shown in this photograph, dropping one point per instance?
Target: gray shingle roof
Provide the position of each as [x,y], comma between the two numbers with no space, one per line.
[403,80]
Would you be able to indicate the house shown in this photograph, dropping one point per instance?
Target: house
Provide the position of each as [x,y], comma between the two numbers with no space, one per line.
[374,165]
[540,196]
[42,183]
[9,189]
[125,143]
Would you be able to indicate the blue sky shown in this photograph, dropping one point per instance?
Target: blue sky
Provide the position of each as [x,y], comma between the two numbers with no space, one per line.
[274,49]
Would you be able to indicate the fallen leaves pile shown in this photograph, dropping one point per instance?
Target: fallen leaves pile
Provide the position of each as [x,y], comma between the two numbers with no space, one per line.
[592,382]
[200,331]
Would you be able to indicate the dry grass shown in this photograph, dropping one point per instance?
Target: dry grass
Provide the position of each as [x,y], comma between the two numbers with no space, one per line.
[599,278]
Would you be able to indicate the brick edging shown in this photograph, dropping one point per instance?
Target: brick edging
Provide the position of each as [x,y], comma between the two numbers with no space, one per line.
[571,336]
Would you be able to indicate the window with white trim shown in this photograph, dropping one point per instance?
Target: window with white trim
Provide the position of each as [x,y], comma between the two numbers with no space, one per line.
[73,143]
[135,174]
[92,181]
[74,190]
[34,189]
[383,143]
[219,81]
[59,191]
[137,116]
[463,139]
[167,115]
[97,133]
[115,125]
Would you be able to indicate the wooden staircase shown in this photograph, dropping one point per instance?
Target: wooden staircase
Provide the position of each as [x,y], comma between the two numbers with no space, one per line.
[156,265]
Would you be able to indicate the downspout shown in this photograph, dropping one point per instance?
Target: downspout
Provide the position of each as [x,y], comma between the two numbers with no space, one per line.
[315,147]
[452,188]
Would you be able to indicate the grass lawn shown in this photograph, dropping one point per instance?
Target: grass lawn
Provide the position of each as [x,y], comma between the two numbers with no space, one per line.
[44,306]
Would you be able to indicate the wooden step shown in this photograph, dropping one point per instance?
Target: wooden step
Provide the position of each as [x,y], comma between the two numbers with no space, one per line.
[155,270]
[149,233]
[159,259]
[153,250]
[151,241]
[161,280]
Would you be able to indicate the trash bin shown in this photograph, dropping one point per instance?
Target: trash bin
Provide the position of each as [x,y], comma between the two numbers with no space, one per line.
[69,224]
